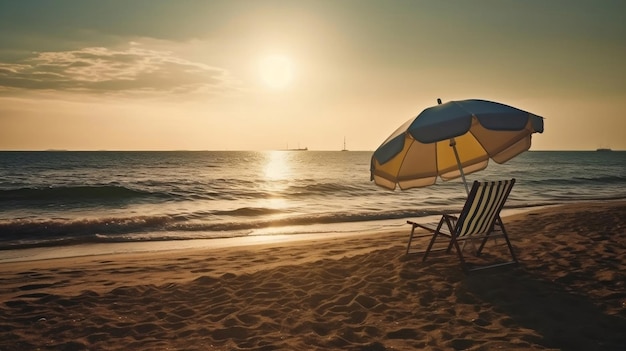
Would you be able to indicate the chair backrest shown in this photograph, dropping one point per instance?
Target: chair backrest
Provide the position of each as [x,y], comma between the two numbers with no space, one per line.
[483,206]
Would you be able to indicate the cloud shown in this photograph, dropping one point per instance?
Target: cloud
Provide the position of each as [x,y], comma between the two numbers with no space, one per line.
[99,70]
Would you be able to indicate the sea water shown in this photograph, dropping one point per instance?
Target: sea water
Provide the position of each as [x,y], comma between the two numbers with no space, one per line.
[66,197]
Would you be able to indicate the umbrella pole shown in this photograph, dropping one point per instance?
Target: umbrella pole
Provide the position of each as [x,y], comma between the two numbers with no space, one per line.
[458,162]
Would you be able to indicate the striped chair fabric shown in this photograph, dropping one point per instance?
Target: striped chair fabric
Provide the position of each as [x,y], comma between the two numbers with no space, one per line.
[481,211]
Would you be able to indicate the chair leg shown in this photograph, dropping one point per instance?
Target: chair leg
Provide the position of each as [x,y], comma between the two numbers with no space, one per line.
[452,233]
[460,253]
[449,247]
[408,247]
[498,222]
[430,245]
[432,241]
[482,245]
[508,242]
[506,239]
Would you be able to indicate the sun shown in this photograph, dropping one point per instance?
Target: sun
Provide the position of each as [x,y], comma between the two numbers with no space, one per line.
[276,71]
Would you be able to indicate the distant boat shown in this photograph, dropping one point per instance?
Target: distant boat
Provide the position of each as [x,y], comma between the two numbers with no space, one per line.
[297,149]
[602,149]
[344,144]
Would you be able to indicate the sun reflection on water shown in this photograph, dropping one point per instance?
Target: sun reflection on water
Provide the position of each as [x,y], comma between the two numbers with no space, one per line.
[277,166]
[277,174]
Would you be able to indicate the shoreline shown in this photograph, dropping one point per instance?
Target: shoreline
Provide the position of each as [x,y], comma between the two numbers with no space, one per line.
[259,237]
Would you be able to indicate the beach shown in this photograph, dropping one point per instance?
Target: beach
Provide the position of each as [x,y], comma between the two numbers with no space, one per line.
[335,293]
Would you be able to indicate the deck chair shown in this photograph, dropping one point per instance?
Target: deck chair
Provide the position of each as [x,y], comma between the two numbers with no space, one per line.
[479,220]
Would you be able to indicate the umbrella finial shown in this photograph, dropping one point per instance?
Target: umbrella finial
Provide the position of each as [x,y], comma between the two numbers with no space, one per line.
[438,101]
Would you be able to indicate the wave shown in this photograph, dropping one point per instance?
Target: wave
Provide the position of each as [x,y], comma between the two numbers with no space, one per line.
[601,179]
[608,180]
[322,188]
[19,233]
[248,212]
[74,193]
[27,228]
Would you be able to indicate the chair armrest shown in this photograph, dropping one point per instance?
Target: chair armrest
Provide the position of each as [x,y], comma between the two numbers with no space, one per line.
[452,218]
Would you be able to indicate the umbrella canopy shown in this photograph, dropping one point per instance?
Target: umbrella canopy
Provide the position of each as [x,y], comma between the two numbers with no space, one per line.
[450,140]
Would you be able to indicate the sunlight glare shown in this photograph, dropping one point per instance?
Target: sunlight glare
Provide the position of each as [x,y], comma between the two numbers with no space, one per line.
[277,166]
[276,71]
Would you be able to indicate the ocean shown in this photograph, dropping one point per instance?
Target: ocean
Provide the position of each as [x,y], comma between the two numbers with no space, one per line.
[54,198]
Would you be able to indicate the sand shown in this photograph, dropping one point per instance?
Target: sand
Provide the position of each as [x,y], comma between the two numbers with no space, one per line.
[347,293]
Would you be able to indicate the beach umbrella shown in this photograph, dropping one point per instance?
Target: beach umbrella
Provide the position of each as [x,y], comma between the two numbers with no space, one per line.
[451,140]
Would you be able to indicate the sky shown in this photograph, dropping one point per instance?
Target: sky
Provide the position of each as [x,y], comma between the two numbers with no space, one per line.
[270,74]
